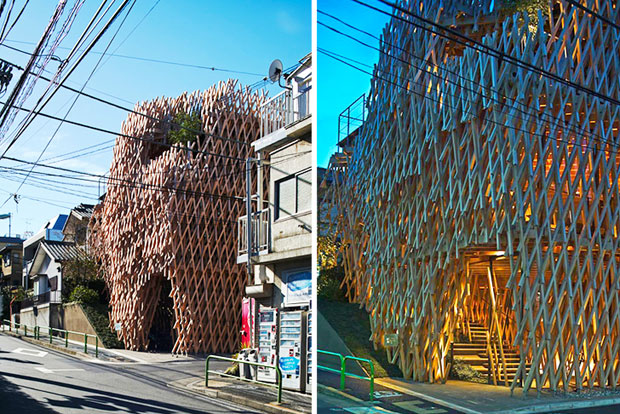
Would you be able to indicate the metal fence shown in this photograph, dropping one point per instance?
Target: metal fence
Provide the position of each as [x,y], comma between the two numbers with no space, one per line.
[343,370]
[35,332]
[256,364]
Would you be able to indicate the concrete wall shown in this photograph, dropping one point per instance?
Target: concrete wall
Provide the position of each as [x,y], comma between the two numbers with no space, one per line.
[76,320]
[69,316]
[289,231]
[49,314]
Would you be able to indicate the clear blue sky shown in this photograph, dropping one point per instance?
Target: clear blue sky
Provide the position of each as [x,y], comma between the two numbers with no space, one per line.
[339,85]
[240,35]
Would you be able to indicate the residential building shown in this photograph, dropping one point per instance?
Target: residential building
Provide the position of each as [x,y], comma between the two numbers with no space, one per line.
[278,257]
[11,261]
[76,229]
[475,234]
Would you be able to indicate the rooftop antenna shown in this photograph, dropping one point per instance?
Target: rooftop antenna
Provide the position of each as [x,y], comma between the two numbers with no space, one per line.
[7,216]
[275,73]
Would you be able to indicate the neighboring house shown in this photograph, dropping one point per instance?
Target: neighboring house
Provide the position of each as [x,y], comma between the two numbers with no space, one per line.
[11,263]
[76,228]
[279,255]
[51,231]
[46,268]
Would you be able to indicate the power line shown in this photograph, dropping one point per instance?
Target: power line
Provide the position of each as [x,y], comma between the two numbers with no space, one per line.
[39,106]
[161,61]
[593,13]
[106,131]
[473,114]
[73,104]
[482,48]
[528,110]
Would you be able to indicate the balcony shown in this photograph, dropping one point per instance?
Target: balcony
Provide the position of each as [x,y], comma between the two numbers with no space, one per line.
[261,235]
[283,110]
[43,298]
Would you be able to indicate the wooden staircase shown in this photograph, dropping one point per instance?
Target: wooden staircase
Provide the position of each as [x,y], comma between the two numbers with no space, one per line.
[475,354]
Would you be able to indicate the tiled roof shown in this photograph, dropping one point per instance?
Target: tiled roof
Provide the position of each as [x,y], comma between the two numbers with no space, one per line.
[83,211]
[62,251]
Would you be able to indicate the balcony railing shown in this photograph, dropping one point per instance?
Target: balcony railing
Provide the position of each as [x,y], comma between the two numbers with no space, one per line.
[283,110]
[43,298]
[261,228]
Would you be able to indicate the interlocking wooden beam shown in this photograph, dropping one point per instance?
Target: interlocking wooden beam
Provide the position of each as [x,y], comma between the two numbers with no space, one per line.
[466,160]
[170,217]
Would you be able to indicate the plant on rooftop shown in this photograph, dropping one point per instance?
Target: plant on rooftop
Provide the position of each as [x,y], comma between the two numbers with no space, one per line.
[183,126]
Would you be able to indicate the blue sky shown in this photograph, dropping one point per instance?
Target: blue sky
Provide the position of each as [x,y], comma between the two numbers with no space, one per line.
[339,85]
[241,35]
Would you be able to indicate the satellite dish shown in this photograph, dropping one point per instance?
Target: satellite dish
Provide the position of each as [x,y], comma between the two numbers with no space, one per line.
[275,70]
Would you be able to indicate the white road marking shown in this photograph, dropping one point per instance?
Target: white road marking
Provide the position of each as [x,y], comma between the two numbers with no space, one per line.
[368,410]
[30,352]
[387,394]
[51,371]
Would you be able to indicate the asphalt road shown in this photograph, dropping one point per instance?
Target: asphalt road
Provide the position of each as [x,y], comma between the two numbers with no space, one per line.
[386,400]
[37,380]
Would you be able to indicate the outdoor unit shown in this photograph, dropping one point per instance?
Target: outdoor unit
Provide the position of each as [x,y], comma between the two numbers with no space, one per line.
[293,350]
[267,343]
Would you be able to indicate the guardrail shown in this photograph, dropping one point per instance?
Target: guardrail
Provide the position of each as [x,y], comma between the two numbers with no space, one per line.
[343,370]
[36,334]
[256,364]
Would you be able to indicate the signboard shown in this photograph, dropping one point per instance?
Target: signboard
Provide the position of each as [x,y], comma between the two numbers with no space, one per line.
[390,340]
[117,326]
[298,288]
[289,364]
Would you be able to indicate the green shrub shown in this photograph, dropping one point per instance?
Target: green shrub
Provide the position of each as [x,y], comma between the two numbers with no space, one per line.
[82,294]
[183,127]
[461,370]
[328,284]
[100,321]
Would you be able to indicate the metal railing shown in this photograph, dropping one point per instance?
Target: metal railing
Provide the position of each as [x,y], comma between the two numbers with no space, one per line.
[47,297]
[223,374]
[261,227]
[343,370]
[283,110]
[36,334]
[350,119]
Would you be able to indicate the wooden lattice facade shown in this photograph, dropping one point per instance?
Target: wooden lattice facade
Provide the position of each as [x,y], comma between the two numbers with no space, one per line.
[166,231]
[479,192]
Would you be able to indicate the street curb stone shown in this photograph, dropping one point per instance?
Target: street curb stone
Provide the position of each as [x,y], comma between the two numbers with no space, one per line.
[272,408]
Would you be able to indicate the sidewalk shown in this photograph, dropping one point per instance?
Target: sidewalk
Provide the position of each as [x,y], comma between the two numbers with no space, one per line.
[481,398]
[247,394]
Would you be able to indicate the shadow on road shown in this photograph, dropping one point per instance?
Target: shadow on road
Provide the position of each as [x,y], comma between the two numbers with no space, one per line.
[104,401]
[21,361]
[13,400]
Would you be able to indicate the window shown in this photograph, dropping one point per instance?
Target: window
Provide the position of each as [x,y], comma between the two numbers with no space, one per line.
[293,194]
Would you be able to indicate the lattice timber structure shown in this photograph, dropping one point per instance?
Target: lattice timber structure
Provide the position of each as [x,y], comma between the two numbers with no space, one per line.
[166,232]
[481,195]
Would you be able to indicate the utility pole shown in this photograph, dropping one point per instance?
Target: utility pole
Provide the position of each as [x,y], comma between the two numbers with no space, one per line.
[5,216]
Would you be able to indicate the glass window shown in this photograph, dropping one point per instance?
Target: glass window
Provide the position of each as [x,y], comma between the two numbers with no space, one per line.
[285,197]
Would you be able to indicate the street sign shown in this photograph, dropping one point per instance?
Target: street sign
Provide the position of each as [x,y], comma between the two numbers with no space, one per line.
[117,326]
[390,340]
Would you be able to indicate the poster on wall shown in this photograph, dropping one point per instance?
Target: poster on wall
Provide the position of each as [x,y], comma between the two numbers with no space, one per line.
[298,288]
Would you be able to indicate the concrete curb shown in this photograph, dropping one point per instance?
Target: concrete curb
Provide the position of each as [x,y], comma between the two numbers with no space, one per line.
[533,409]
[272,408]
[44,344]
[567,405]
[425,397]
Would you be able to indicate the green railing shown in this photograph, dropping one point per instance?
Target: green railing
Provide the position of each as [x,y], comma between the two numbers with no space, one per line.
[256,364]
[343,370]
[36,334]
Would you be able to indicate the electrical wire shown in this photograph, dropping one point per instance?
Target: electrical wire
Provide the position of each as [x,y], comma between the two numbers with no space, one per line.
[482,48]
